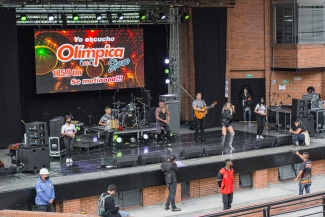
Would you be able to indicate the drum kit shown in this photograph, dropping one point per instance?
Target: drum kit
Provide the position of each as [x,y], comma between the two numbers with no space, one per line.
[131,115]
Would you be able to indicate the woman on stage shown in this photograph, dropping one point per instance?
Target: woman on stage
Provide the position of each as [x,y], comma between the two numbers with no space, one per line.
[227,113]
[68,131]
[261,112]
[245,103]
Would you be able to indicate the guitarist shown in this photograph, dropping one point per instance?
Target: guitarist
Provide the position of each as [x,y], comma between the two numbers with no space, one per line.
[198,105]
[162,120]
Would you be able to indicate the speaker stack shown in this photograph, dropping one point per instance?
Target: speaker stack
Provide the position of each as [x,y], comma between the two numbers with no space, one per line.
[36,133]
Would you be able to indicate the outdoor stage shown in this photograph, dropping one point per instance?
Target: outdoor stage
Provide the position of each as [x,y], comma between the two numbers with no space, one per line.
[84,172]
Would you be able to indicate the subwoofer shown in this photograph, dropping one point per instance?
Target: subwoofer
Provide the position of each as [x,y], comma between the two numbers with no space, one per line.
[35,158]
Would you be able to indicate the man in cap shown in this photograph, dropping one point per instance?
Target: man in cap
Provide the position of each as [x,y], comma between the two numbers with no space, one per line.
[44,192]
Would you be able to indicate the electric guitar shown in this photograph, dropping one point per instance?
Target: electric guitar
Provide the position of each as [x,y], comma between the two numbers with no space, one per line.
[199,115]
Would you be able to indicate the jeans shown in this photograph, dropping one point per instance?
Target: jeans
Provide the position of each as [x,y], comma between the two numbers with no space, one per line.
[299,138]
[46,208]
[227,200]
[199,124]
[249,114]
[123,213]
[172,193]
[260,124]
[69,143]
[304,186]
[109,139]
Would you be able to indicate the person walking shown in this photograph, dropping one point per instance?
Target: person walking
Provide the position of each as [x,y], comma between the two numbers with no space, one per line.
[225,181]
[45,194]
[304,175]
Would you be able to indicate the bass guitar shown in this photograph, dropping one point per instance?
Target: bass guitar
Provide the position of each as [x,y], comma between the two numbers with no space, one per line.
[199,115]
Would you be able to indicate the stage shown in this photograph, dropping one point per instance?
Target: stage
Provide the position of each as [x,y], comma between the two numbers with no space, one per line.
[85,173]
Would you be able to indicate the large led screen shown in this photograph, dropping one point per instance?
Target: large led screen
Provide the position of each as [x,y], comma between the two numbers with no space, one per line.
[82,60]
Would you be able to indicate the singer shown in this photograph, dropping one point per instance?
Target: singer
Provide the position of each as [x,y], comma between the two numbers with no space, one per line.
[162,121]
[69,132]
[109,132]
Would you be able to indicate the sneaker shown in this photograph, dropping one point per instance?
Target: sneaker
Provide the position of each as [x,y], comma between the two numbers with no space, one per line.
[166,207]
[261,137]
[67,160]
[250,124]
[71,161]
[296,146]
[257,137]
[176,209]
[245,122]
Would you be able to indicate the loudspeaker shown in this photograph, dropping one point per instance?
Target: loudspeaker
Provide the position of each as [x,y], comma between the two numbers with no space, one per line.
[309,123]
[299,108]
[283,140]
[55,126]
[56,146]
[36,134]
[35,126]
[284,121]
[192,152]
[35,158]
[127,161]
[174,122]
[319,117]
[152,157]
[212,150]
[267,142]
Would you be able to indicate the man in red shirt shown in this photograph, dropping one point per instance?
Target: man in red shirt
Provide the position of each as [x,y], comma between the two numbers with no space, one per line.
[225,180]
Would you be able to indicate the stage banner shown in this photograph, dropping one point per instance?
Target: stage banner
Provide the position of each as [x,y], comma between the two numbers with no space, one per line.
[82,60]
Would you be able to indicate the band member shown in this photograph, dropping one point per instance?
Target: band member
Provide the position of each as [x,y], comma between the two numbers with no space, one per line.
[68,131]
[227,113]
[261,112]
[245,102]
[162,121]
[198,105]
[109,132]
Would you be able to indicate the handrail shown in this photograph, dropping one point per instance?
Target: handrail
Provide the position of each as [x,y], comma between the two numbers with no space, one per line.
[263,205]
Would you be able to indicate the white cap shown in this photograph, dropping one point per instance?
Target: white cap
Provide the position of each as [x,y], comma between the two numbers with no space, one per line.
[44,171]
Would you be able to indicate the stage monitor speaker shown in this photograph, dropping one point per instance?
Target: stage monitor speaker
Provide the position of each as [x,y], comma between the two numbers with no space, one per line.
[267,142]
[299,108]
[55,126]
[56,146]
[284,140]
[212,150]
[127,161]
[174,122]
[35,158]
[36,126]
[192,152]
[152,157]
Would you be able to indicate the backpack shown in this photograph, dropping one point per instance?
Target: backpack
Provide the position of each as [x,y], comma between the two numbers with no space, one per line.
[100,210]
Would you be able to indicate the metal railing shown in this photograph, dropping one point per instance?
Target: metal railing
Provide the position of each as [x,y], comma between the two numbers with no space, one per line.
[265,209]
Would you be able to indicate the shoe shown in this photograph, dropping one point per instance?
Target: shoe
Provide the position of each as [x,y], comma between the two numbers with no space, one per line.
[296,146]
[176,209]
[71,161]
[245,122]
[261,137]
[203,139]
[166,207]
[257,137]
[67,160]
[231,148]
[250,124]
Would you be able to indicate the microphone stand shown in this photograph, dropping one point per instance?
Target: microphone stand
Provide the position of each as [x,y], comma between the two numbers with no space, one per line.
[276,101]
[90,117]
[149,97]
[193,124]
[148,106]
[117,90]
[284,100]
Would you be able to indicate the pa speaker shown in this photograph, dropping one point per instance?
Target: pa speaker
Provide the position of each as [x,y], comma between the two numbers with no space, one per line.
[283,140]
[152,157]
[212,150]
[192,152]
[35,158]
[267,142]
[127,161]
[55,126]
[174,122]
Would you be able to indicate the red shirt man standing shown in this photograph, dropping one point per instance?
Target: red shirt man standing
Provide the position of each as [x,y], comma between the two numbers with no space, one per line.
[225,180]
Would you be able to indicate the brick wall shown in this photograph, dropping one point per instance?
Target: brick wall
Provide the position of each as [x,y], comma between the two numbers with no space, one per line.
[259,178]
[159,194]
[16,213]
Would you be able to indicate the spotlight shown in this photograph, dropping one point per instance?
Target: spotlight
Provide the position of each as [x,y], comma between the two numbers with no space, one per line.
[119,140]
[109,18]
[23,17]
[50,17]
[94,139]
[142,16]
[162,16]
[145,138]
[132,140]
[98,16]
[167,81]
[120,16]
[64,19]
[167,61]
[186,16]
[152,19]
[167,71]
[75,16]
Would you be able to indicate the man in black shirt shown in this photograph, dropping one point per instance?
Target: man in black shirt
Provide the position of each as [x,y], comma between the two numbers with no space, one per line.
[170,168]
[298,136]
[110,208]
[304,175]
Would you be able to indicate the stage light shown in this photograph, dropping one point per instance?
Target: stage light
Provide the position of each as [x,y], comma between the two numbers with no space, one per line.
[152,18]
[98,16]
[109,18]
[186,16]
[162,16]
[120,16]
[95,139]
[142,16]
[167,81]
[119,154]
[119,140]
[75,16]
[132,140]
[145,137]
[167,61]
[167,71]
[50,17]
[23,17]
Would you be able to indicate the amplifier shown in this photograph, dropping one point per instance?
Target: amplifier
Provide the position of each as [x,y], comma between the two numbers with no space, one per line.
[36,134]
[56,146]
[319,117]
[311,96]
[35,126]
[42,141]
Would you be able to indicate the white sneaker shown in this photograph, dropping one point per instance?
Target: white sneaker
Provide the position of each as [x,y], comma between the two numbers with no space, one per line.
[257,137]
[261,137]
[67,160]
[71,161]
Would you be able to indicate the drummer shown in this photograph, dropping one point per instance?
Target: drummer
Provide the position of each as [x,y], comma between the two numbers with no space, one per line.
[109,132]
[162,121]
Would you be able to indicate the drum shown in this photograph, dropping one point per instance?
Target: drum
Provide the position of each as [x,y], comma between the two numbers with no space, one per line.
[130,107]
[130,120]
[113,124]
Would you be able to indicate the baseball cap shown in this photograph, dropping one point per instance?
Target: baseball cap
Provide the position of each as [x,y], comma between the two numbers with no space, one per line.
[172,157]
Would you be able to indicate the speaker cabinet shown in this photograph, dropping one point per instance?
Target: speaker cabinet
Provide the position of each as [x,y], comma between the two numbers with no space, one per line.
[55,126]
[192,152]
[35,158]
[267,142]
[152,157]
[35,126]
[212,150]
[174,122]
[299,108]
[127,161]
[284,121]
[319,117]
[56,146]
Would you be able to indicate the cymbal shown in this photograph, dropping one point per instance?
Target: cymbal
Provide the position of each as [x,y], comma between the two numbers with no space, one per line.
[118,103]
[138,98]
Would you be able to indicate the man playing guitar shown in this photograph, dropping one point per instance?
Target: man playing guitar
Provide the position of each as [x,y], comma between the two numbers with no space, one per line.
[198,105]
[109,132]
[162,121]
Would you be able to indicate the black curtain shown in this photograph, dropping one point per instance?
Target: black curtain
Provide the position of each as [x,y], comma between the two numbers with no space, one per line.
[43,107]
[10,125]
[209,38]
